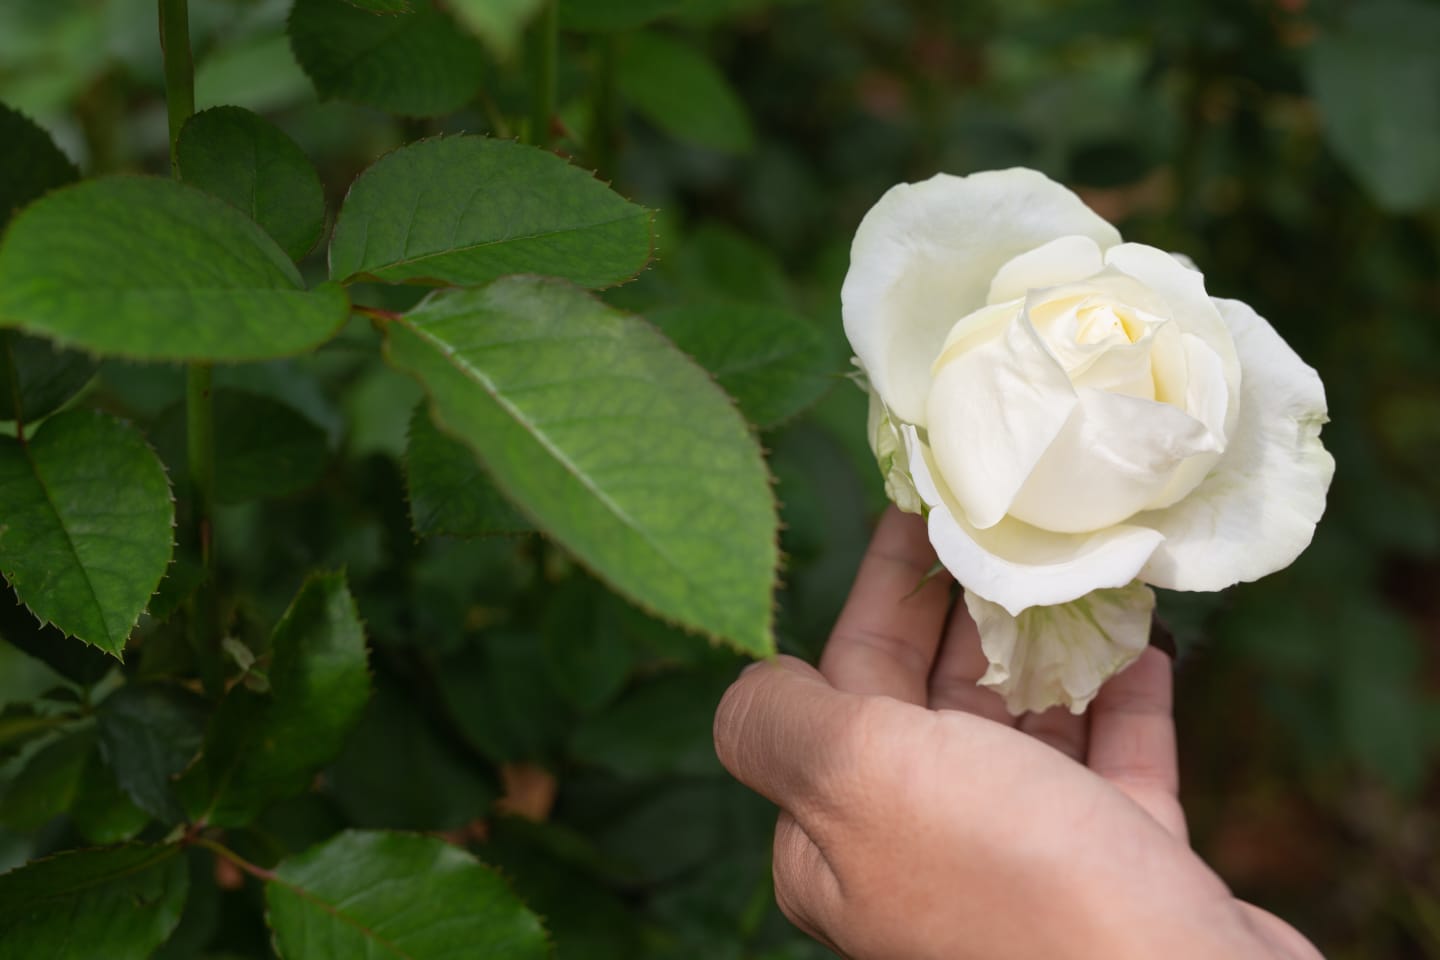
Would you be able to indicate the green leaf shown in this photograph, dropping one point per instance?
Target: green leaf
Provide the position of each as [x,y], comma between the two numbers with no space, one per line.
[30,163]
[206,283]
[119,903]
[606,15]
[21,724]
[417,64]
[497,22]
[102,813]
[450,493]
[38,377]
[773,362]
[71,658]
[465,210]
[398,771]
[87,533]
[627,739]
[1376,80]
[502,700]
[45,787]
[266,449]
[263,747]
[583,917]
[251,164]
[395,895]
[825,516]
[676,88]
[589,651]
[611,440]
[149,733]
[717,262]
[202,918]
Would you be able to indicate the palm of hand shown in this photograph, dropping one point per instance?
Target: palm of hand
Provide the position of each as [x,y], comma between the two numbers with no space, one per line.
[922,820]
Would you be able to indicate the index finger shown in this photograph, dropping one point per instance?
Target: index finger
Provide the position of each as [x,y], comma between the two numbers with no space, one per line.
[887,635]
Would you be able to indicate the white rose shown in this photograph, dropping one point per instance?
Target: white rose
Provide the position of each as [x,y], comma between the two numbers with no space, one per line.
[1077,417]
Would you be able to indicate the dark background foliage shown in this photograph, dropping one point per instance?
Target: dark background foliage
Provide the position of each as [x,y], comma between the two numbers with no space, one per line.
[1291,147]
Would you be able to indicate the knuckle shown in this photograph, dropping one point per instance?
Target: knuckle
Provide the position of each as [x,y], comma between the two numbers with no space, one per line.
[886,645]
[799,871]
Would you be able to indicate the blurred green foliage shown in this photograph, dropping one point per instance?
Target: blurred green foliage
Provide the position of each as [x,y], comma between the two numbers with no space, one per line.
[1290,147]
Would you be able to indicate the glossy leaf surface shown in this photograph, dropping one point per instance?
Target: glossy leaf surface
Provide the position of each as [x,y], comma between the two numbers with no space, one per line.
[611,440]
[391,895]
[206,283]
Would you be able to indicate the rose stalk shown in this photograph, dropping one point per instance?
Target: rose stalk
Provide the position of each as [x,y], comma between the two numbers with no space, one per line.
[1077,418]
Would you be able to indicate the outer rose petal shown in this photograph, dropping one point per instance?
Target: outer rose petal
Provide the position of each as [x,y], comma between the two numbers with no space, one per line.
[891,445]
[1060,261]
[924,256]
[1019,566]
[1257,509]
[1062,654]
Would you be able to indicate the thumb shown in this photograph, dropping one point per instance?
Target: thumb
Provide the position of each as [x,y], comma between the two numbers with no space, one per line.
[781,730]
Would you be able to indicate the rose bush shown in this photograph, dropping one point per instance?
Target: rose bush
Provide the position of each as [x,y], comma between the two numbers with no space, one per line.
[1077,418]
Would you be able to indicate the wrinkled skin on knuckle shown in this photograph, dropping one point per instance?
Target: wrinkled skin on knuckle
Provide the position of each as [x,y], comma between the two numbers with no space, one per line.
[801,877]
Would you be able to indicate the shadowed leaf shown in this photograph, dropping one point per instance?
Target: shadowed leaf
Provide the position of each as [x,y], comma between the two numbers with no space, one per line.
[119,903]
[416,63]
[251,164]
[87,524]
[465,210]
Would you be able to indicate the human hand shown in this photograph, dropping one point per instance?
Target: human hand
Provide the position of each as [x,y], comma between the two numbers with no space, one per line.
[920,820]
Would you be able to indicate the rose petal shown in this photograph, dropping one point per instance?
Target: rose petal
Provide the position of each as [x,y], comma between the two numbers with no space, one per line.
[1206,397]
[994,410]
[1061,655]
[1257,509]
[1019,566]
[1193,310]
[924,256]
[891,447]
[1062,260]
[1117,359]
[1115,454]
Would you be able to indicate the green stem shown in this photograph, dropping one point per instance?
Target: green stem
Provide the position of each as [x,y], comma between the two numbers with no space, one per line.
[204,619]
[225,853]
[203,624]
[544,42]
[179,69]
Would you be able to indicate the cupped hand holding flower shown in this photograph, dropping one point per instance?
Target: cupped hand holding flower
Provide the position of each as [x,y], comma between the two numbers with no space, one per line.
[1077,418]
[920,820]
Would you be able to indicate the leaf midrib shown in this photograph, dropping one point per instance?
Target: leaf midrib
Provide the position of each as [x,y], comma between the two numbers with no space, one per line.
[492,390]
[161,855]
[340,915]
[69,542]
